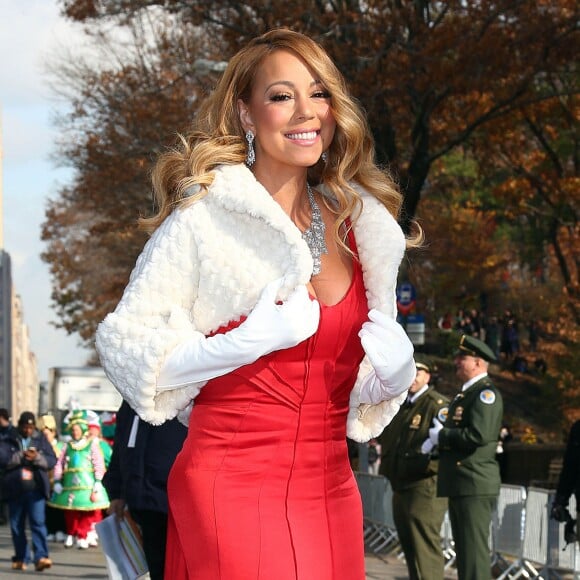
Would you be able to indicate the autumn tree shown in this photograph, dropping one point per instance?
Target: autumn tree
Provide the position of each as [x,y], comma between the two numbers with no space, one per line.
[535,176]
[428,73]
[431,75]
[508,205]
[121,115]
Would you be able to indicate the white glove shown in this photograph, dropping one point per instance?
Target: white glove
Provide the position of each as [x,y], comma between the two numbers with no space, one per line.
[97,487]
[434,431]
[390,352]
[267,328]
[57,487]
[433,439]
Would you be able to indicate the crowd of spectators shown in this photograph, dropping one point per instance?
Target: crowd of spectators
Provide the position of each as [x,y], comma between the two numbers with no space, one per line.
[503,334]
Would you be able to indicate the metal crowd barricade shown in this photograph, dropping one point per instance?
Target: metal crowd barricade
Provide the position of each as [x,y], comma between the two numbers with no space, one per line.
[527,541]
[508,528]
[544,539]
[447,542]
[524,540]
[562,557]
[378,525]
[535,547]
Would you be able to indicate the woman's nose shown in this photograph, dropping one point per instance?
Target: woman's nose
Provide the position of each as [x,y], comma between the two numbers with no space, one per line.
[304,108]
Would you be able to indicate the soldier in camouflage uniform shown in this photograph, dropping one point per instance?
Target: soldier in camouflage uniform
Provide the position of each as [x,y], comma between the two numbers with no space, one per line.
[417,510]
[468,469]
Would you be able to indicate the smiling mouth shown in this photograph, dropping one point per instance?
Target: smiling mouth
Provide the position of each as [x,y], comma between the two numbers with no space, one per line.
[303,135]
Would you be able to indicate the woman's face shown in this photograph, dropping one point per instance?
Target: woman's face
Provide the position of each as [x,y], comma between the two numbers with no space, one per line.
[76,432]
[288,112]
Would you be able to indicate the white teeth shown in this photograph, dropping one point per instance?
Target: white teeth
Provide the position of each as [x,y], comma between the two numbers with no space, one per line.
[309,135]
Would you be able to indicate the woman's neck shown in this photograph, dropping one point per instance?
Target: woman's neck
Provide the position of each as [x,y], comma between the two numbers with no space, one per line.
[290,192]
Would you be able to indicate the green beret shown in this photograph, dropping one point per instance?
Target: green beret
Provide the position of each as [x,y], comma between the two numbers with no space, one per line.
[474,347]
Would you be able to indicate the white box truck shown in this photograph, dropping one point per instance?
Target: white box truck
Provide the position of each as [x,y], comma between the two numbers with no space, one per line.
[80,388]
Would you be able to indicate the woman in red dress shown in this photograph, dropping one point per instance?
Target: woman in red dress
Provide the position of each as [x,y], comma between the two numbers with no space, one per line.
[269,277]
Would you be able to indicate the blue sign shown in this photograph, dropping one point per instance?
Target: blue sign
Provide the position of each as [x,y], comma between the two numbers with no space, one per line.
[406,294]
[415,319]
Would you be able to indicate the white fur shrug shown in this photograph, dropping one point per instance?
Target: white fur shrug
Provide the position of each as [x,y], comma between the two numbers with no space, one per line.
[206,265]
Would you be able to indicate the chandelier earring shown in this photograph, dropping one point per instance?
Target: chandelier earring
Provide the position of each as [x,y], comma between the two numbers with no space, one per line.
[251,154]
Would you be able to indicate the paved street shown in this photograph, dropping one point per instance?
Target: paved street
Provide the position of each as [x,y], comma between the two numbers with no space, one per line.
[67,563]
[90,564]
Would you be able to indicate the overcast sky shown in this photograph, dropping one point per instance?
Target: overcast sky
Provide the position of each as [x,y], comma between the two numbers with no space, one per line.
[30,31]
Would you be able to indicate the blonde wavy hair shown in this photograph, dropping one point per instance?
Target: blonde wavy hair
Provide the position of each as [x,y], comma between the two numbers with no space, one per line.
[217,137]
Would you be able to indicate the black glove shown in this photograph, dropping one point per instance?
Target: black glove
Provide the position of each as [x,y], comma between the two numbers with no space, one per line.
[559,512]
[570,535]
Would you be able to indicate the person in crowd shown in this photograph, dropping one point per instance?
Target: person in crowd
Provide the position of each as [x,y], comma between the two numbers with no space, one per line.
[465,325]
[445,322]
[520,364]
[78,488]
[374,456]
[412,473]
[505,436]
[108,425]
[459,317]
[136,480]
[55,524]
[476,323]
[26,458]
[540,366]
[270,273]
[6,427]
[510,338]
[568,485]
[492,334]
[6,430]
[95,432]
[468,470]
[353,453]
[533,335]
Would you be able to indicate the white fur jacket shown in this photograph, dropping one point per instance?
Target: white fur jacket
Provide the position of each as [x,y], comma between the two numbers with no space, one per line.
[206,265]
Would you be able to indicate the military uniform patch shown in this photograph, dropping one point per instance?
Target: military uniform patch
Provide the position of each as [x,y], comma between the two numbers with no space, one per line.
[442,415]
[415,422]
[487,396]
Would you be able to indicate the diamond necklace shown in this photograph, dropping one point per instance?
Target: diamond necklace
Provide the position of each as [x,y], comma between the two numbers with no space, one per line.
[315,236]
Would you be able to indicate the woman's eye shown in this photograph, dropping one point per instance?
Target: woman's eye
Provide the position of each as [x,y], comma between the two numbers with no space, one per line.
[280,97]
[321,95]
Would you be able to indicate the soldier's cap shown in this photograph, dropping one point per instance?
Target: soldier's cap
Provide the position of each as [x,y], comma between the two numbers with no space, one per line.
[422,366]
[27,418]
[474,347]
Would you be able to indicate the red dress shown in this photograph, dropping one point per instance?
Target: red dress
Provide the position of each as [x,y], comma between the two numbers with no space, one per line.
[263,489]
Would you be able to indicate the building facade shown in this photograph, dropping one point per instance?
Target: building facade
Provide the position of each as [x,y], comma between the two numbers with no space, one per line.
[5,331]
[19,386]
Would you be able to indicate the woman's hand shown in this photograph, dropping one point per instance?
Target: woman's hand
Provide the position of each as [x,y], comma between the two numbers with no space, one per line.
[390,352]
[271,326]
[276,325]
[117,507]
